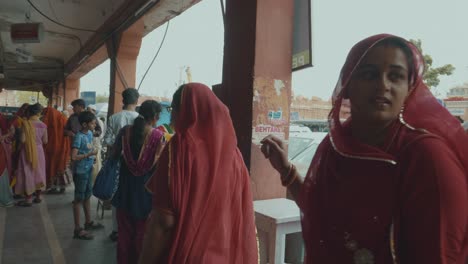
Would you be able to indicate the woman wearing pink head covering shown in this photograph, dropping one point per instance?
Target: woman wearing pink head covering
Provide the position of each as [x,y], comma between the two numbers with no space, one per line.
[202,203]
[389,184]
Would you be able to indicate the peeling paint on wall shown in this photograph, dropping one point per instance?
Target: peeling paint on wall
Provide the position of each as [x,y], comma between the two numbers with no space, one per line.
[279,85]
[270,108]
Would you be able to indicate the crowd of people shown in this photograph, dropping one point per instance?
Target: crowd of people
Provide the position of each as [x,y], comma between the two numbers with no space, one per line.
[388,185]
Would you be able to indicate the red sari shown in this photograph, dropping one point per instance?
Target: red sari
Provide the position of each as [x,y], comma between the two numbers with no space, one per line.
[405,202]
[3,125]
[201,179]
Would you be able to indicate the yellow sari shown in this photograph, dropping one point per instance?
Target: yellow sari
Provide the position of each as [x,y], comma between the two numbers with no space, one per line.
[30,143]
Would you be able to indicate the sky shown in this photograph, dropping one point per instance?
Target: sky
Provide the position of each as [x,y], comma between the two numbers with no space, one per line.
[195,39]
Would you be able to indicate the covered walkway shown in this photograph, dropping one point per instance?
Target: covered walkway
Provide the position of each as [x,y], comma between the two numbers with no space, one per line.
[43,234]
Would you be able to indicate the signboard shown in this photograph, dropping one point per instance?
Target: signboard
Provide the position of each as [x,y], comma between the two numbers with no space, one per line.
[9,109]
[23,55]
[457,111]
[302,35]
[89,97]
[26,32]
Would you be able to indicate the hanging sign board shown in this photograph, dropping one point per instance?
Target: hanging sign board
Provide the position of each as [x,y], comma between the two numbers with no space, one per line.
[302,35]
[26,32]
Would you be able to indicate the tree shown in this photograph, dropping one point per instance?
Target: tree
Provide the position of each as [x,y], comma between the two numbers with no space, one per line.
[431,74]
[29,97]
[102,98]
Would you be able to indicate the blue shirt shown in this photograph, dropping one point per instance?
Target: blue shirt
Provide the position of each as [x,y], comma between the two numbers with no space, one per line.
[84,143]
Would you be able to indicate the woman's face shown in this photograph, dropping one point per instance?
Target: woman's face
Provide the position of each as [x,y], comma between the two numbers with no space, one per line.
[379,86]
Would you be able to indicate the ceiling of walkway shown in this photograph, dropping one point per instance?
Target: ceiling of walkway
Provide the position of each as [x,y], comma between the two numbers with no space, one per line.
[78,45]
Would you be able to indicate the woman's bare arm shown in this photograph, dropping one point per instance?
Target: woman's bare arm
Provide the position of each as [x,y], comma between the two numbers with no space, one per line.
[157,238]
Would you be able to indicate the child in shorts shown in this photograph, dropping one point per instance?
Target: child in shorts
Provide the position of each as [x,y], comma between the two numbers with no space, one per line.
[83,159]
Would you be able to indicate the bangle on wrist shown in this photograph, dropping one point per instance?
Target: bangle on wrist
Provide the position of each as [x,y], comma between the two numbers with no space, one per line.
[285,175]
[291,177]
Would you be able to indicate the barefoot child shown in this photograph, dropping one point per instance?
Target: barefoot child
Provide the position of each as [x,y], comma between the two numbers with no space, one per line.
[83,159]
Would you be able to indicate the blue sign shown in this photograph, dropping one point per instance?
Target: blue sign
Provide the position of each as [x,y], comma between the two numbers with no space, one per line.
[294,116]
[275,115]
[89,97]
[165,115]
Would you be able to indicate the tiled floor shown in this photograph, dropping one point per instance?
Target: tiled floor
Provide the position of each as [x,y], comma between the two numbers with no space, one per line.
[44,234]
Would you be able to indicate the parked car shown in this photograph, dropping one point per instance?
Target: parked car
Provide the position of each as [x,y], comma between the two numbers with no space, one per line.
[302,147]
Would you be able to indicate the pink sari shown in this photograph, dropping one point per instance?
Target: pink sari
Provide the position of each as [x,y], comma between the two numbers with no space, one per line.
[147,158]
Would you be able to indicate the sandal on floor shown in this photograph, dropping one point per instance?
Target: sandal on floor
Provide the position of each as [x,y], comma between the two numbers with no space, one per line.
[23,204]
[37,200]
[82,234]
[53,191]
[93,226]
[18,196]
[114,236]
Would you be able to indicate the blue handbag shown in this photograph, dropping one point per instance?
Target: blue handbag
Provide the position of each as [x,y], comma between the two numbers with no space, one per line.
[107,180]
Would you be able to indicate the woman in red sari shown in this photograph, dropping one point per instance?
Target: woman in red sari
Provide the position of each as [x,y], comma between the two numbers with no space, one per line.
[3,125]
[202,203]
[389,184]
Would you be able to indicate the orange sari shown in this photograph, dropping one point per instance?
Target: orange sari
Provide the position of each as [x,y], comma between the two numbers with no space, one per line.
[57,150]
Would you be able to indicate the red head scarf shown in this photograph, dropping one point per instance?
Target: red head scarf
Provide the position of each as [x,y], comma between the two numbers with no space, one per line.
[209,185]
[21,113]
[421,111]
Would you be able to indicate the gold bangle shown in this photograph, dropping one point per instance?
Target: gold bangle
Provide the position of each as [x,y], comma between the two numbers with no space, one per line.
[291,177]
[287,174]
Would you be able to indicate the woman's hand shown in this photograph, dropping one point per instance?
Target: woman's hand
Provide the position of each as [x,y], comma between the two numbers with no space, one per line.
[93,153]
[274,150]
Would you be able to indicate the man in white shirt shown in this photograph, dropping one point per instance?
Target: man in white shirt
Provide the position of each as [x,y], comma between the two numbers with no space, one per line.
[114,124]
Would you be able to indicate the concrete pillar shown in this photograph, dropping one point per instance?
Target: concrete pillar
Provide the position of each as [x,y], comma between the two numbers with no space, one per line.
[71,91]
[60,92]
[257,81]
[123,52]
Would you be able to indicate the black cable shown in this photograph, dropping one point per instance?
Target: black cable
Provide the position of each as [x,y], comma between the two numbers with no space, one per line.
[52,9]
[155,56]
[223,12]
[56,22]
[75,37]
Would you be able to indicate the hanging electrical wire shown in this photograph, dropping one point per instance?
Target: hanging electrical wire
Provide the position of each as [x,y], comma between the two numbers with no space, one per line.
[56,22]
[155,56]
[71,36]
[53,10]
[223,12]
